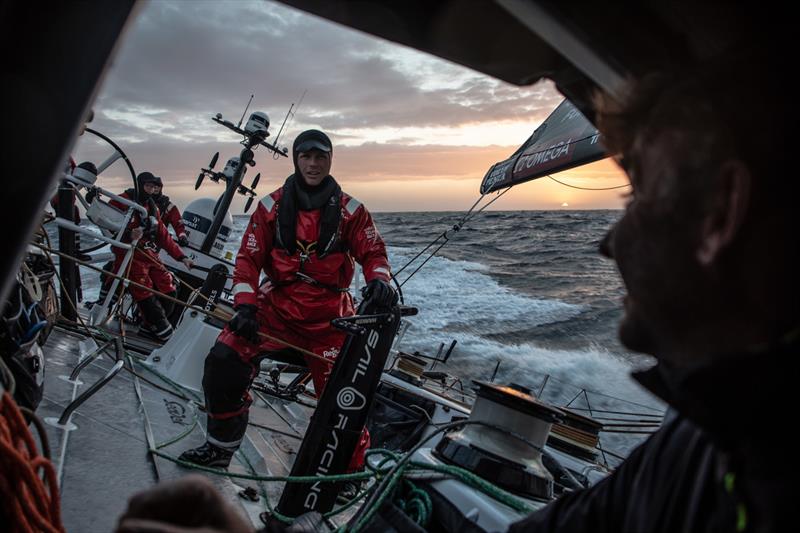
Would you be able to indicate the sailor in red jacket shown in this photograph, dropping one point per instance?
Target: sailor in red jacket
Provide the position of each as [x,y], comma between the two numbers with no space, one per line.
[145,267]
[170,215]
[305,237]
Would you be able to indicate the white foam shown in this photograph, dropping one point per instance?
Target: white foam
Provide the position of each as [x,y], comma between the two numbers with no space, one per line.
[459,300]
[460,294]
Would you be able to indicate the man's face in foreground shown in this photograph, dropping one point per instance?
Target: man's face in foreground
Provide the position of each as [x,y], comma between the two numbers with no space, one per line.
[653,245]
[314,165]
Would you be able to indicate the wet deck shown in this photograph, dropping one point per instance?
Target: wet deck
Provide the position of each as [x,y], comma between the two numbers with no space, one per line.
[106,459]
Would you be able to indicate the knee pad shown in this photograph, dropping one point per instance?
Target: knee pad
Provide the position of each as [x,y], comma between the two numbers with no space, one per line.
[226,379]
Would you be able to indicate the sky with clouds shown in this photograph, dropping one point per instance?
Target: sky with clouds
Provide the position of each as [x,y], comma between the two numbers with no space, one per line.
[410,131]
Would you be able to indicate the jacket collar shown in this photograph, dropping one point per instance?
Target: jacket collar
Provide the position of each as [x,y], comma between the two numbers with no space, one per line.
[741,399]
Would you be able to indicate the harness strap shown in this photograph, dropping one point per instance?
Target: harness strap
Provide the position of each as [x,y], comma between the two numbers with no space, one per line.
[300,276]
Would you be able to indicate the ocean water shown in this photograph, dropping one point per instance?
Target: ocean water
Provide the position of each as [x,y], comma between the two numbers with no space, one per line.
[525,289]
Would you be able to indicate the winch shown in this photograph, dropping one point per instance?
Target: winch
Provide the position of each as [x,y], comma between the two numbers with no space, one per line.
[506,449]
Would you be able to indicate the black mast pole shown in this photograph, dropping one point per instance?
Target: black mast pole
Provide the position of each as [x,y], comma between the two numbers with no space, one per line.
[244,159]
[66,245]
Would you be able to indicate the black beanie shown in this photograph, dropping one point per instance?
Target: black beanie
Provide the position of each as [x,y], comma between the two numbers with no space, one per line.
[147,177]
[311,140]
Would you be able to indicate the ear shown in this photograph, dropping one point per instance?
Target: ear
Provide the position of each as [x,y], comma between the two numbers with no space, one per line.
[727,211]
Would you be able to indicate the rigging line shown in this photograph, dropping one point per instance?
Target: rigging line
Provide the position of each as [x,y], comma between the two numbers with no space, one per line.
[443,234]
[493,200]
[191,288]
[47,250]
[588,188]
[219,314]
[424,262]
[469,216]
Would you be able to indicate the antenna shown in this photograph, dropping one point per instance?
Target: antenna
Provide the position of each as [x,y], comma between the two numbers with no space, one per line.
[245,111]
[290,117]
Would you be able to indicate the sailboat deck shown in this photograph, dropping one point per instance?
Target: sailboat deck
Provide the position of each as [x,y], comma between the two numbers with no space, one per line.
[105,459]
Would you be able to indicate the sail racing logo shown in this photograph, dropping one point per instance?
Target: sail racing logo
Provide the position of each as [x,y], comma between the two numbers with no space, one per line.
[349,399]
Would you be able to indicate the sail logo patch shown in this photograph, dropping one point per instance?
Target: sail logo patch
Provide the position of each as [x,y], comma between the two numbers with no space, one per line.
[252,243]
[349,399]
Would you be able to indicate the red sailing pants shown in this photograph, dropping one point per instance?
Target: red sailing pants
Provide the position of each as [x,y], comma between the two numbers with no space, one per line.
[326,345]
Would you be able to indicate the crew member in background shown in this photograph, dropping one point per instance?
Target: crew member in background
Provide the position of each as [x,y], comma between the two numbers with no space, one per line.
[305,236]
[170,215]
[146,267]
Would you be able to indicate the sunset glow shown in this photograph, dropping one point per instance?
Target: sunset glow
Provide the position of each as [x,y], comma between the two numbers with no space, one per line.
[411,132]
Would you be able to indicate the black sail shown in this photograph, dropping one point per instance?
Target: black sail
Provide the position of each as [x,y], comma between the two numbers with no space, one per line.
[566,139]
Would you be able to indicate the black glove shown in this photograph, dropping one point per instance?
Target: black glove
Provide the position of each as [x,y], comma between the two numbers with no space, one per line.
[244,323]
[183,240]
[379,293]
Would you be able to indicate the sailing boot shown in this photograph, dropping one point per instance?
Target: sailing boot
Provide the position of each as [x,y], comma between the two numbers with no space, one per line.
[208,455]
[154,320]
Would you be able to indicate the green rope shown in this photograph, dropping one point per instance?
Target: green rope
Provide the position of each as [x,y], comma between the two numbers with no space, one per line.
[183,435]
[177,386]
[360,496]
[389,485]
[417,504]
[294,479]
[475,481]
[270,510]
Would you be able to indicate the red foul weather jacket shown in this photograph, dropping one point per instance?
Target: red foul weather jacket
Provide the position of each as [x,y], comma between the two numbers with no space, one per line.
[303,289]
[171,216]
[146,267]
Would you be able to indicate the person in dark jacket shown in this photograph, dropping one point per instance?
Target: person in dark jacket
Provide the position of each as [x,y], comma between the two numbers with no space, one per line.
[708,251]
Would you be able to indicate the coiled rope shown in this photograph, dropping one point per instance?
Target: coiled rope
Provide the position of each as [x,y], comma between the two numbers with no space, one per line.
[30,502]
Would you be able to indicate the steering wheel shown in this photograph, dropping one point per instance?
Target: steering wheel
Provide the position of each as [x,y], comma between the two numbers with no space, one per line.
[118,154]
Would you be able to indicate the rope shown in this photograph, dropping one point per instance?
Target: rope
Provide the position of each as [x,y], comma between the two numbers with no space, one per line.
[220,315]
[254,477]
[31,283]
[179,280]
[588,188]
[390,480]
[48,250]
[31,418]
[31,503]
[417,504]
[469,215]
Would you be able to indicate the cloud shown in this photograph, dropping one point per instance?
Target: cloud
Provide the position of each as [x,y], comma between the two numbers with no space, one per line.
[395,115]
[182,62]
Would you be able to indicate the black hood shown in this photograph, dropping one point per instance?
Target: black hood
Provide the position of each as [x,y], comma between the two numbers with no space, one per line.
[141,179]
[310,140]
